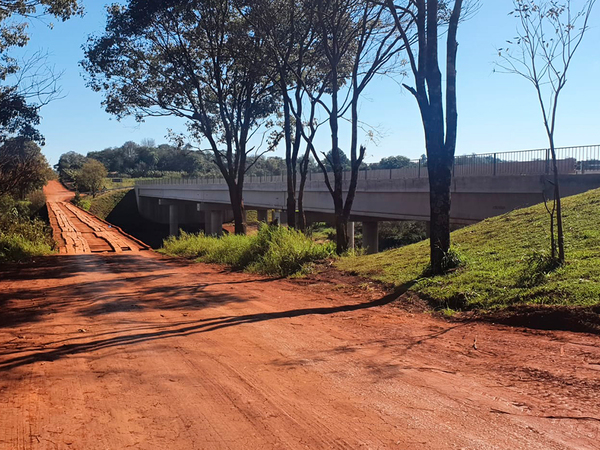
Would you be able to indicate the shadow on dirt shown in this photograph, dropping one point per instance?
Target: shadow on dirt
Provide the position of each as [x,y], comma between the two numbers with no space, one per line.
[167,298]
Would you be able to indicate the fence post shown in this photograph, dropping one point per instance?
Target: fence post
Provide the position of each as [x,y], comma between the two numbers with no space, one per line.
[495,159]
[419,172]
[547,161]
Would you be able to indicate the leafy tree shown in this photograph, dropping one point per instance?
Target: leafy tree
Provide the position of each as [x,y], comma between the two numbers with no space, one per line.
[198,60]
[392,162]
[548,35]
[428,16]
[344,161]
[68,164]
[17,117]
[91,176]
[23,168]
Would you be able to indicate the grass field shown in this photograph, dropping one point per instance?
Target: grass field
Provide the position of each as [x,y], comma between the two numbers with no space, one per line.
[125,183]
[503,261]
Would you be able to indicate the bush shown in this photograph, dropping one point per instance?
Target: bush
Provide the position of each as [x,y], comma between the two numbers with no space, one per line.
[273,250]
[21,237]
[16,247]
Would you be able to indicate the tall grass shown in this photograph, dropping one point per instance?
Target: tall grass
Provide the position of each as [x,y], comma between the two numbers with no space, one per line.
[272,251]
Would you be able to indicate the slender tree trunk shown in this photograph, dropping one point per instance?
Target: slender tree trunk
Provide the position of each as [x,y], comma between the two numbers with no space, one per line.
[289,164]
[338,193]
[303,175]
[559,222]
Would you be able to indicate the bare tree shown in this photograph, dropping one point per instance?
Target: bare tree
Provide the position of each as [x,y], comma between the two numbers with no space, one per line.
[358,40]
[548,35]
[428,16]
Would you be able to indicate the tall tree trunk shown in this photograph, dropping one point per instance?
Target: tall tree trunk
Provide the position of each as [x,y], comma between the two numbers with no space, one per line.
[440,180]
[237,206]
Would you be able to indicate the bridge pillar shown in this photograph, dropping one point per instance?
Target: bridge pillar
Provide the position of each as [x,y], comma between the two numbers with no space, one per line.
[371,237]
[280,217]
[173,219]
[213,223]
[351,235]
[283,218]
[263,215]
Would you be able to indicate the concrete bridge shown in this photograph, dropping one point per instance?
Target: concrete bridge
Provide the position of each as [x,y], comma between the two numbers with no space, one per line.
[492,186]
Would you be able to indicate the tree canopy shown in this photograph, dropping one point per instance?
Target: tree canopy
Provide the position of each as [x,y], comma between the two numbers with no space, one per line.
[23,168]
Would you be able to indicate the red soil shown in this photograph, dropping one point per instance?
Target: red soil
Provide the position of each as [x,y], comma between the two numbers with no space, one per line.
[133,350]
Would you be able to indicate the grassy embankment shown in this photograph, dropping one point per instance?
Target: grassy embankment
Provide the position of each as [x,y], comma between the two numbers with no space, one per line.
[503,262]
[272,251]
[23,235]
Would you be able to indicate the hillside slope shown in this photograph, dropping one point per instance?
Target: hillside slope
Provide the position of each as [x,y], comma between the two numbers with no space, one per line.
[501,261]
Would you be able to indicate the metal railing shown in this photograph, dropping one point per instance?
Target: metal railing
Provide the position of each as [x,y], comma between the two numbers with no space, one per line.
[570,160]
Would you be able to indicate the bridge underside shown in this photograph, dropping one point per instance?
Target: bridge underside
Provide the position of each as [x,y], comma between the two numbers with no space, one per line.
[473,199]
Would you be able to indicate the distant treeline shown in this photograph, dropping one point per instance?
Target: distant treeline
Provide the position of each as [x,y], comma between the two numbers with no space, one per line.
[148,160]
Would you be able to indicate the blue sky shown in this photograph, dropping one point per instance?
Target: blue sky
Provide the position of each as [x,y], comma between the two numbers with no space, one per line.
[497,112]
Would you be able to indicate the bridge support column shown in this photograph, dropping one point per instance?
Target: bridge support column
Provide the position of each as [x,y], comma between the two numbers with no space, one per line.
[213,225]
[263,215]
[351,235]
[371,237]
[280,217]
[173,219]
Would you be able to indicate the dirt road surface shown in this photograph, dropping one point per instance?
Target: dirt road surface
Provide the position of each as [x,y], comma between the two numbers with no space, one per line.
[135,351]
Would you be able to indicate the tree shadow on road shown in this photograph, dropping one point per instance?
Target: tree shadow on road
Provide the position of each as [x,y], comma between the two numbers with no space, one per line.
[159,331]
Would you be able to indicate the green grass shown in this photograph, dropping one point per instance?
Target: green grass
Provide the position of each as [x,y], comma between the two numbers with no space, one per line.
[272,251]
[125,183]
[504,261]
[102,205]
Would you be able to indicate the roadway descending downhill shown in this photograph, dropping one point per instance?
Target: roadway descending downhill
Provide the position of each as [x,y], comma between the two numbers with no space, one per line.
[78,232]
[132,350]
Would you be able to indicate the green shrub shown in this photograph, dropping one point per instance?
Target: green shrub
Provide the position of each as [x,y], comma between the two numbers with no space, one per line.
[16,247]
[21,237]
[273,250]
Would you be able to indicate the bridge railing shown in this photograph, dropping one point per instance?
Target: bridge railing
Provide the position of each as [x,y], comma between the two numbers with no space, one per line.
[570,160]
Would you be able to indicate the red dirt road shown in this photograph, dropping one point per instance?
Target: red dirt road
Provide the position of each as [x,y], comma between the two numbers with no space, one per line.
[133,350]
